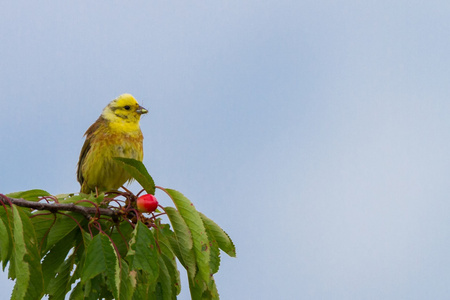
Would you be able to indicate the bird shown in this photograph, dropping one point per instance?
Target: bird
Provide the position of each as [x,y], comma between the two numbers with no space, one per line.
[116,133]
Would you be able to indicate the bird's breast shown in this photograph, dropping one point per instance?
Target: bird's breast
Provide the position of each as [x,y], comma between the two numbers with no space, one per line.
[129,151]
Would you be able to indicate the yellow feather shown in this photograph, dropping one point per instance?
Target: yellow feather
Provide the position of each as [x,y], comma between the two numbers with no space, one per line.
[116,133]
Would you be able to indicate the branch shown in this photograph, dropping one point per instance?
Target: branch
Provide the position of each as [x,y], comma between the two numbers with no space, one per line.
[55,207]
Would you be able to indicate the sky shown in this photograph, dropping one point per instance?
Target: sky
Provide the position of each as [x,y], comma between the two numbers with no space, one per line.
[316,133]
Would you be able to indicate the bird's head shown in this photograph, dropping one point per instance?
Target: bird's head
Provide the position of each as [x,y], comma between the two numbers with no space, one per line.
[123,109]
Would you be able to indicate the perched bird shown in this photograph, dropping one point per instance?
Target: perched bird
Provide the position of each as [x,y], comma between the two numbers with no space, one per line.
[116,133]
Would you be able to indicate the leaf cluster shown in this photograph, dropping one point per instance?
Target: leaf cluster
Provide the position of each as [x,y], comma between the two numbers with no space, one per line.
[66,255]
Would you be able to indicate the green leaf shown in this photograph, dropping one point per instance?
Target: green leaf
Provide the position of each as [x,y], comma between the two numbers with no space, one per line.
[144,288]
[60,286]
[222,238]
[29,283]
[142,254]
[81,253]
[198,231]
[42,223]
[96,288]
[5,243]
[101,257]
[63,226]
[127,282]
[138,171]
[7,218]
[174,246]
[165,280]
[56,256]
[77,292]
[214,261]
[170,260]
[121,235]
[180,227]
[197,287]
[202,290]
[77,199]
[184,239]
[113,274]
[31,195]
[212,292]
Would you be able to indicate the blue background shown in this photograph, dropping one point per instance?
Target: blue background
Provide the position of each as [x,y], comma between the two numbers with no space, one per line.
[316,133]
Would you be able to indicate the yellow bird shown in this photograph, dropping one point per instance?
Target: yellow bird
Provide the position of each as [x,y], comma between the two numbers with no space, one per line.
[116,133]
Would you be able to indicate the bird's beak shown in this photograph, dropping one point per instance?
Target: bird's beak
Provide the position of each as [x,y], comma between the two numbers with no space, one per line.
[141,110]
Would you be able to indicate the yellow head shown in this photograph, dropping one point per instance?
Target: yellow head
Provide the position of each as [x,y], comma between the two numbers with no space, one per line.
[123,109]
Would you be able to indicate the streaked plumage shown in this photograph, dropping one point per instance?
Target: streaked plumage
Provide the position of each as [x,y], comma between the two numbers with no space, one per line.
[115,133]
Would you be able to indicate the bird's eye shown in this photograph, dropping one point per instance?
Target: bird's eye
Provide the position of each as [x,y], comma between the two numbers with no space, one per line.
[127,107]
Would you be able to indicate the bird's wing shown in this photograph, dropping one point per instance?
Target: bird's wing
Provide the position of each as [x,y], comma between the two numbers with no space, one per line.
[86,147]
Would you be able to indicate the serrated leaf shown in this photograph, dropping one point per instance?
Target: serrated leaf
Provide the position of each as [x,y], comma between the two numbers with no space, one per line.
[120,236]
[184,239]
[80,253]
[64,196]
[77,199]
[170,236]
[95,289]
[80,257]
[77,292]
[165,280]
[198,231]
[180,227]
[212,292]
[5,244]
[62,227]
[56,256]
[113,275]
[170,261]
[144,288]
[203,290]
[127,282]
[138,171]
[222,238]
[30,195]
[214,261]
[29,282]
[32,257]
[197,287]
[6,217]
[42,224]
[101,257]
[60,285]
[142,254]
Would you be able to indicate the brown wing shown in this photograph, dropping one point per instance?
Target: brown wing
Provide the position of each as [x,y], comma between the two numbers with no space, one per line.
[86,147]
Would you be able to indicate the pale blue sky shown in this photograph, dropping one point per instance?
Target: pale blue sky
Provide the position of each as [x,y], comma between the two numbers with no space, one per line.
[316,133]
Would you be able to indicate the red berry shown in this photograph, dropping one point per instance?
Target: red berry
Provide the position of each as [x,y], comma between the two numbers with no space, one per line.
[147,203]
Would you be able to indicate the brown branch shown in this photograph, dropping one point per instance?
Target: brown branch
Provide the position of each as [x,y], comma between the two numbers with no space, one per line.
[55,207]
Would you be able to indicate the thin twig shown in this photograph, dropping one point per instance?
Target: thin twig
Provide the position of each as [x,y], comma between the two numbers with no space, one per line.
[55,207]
